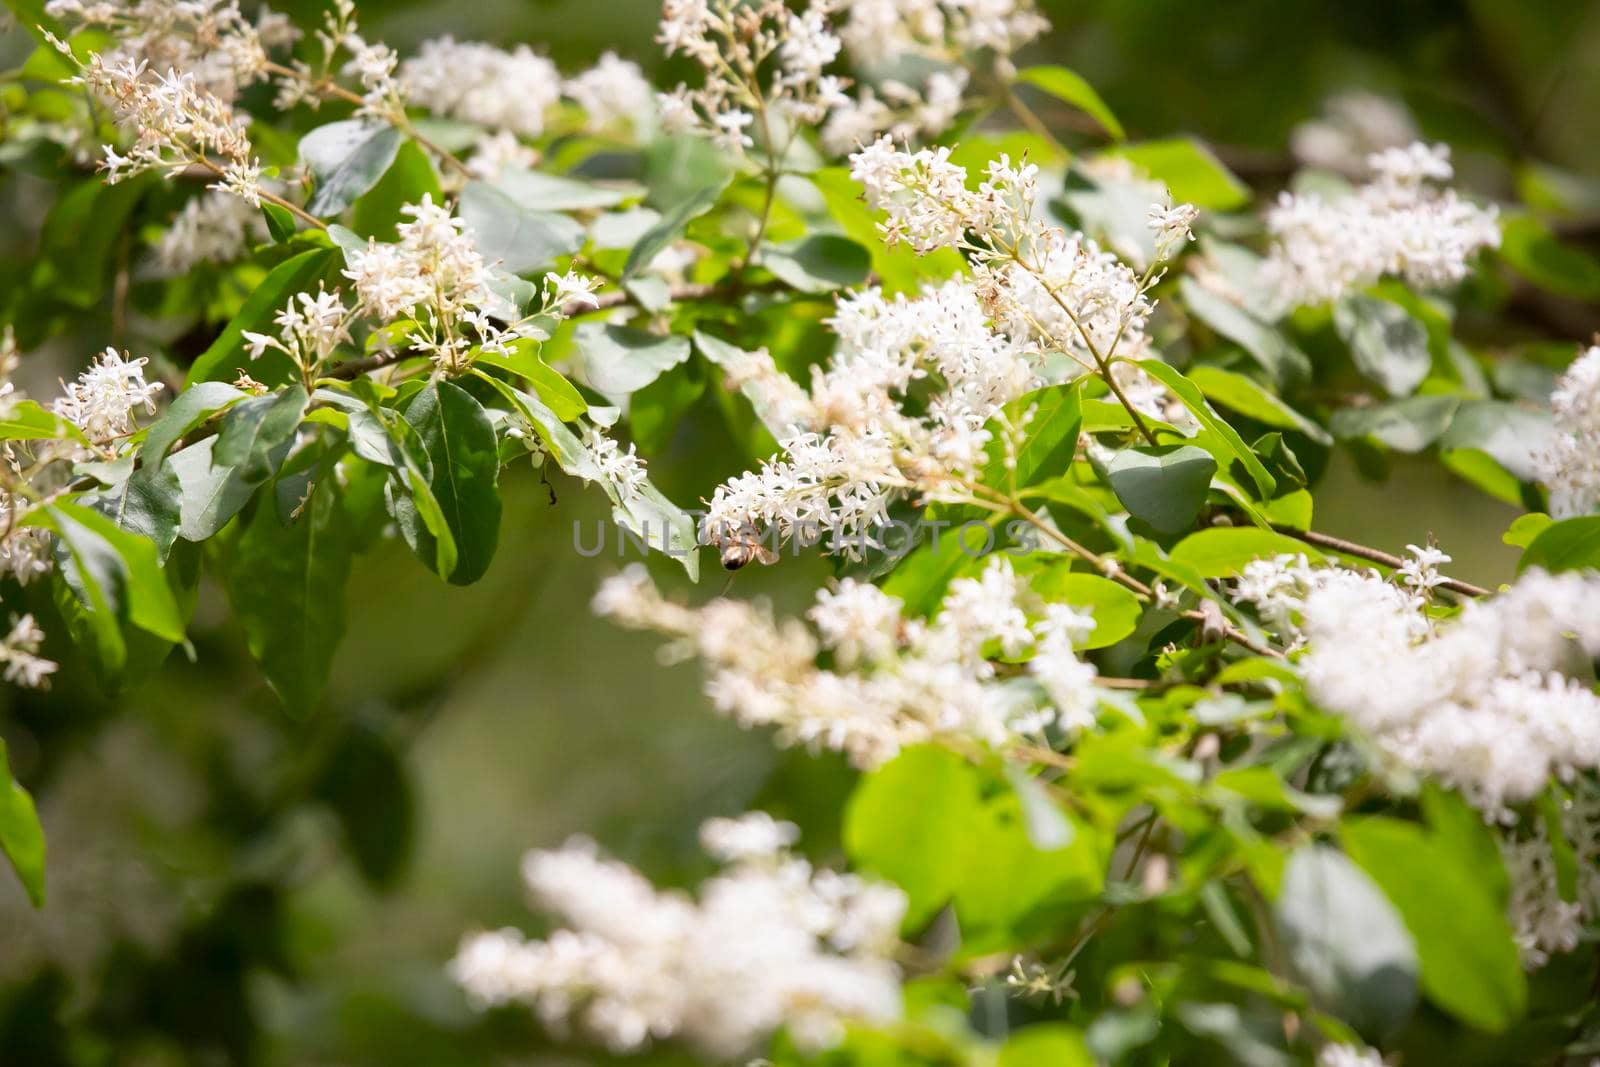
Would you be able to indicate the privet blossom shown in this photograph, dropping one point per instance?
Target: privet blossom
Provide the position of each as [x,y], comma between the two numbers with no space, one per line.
[897,681]
[769,942]
[1570,467]
[1399,223]
[1480,702]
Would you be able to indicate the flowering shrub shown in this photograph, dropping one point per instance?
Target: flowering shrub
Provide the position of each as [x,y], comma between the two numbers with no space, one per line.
[1157,768]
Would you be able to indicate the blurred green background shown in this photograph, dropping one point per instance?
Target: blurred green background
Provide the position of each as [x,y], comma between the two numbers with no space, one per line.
[228,885]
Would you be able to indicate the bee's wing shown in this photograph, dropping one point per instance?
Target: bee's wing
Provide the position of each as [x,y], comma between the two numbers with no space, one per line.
[765,555]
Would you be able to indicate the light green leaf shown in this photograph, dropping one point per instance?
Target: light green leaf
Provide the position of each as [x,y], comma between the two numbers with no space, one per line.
[1070,87]
[25,420]
[1568,545]
[1252,400]
[1534,252]
[1055,1044]
[523,360]
[1116,610]
[910,821]
[21,836]
[1470,964]
[1223,551]
[1191,171]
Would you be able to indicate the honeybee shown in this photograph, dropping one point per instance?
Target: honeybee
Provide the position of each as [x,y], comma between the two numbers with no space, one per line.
[740,549]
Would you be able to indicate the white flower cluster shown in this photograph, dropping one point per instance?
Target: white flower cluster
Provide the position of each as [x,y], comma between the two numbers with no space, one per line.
[763,65]
[768,942]
[309,329]
[886,32]
[212,228]
[1542,920]
[102,401]
[903,112]
[483,84]
[208,39]
[1353,125]
[1480,703]
[19,655]
[176,124]
[896,681]
[614,91]
[1399,223]
[1570,467]
[1334,1054]
[850,445]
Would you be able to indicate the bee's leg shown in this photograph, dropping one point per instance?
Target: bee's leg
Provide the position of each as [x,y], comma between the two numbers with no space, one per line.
[729,583]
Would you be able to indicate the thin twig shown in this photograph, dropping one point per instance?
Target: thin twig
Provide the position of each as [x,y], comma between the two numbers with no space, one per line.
[1374,555]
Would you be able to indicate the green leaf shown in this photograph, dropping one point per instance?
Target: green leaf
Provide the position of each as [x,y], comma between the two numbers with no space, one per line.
[149,602]
[147,503]
[378,212]
[1531,250]
[191,407]
[227,354]
[1346,941]
[287,587]
[670,228]
[254,431]
[677,169]
[516,238]
[1070,87]
[920,579]
[619,360]
[656,411]
[1055,1044]
[1191,397]
[1264,342]
[523,360]
[1191,172]
[1513,435]
[1049,443]
[459,440]
[538,191]
[21,836]
[1568,545]
[899,269]
[80,238]
[1252,400]
[1387,344]
[347,159]
[1006,877]
[1116,610]
[1223,551]
[1524,528]
[1470,964]
[910,821]
[209,494]
[1163,486]
[364,781]
[1408,425]
[25,420]
[818,263]
[280,223]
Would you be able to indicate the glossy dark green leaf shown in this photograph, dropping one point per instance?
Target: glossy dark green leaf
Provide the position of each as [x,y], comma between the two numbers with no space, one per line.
[147,502]
[456,434]
[1163,486]
[379,211]
[227,354]
[209,493]
[287,586]
[1191,397]
[1387,344]
[255,430]
[364,781]
[347,159]
[280,223]
[189,409]
[1345,940]
[1470,964]
[21,836]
